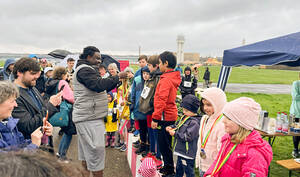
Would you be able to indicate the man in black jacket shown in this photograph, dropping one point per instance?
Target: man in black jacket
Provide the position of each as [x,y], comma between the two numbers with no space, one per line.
[31,108]
[188,83]
[90,108]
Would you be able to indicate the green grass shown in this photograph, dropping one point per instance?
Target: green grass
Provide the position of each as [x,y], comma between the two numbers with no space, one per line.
[2,63]
[253,75]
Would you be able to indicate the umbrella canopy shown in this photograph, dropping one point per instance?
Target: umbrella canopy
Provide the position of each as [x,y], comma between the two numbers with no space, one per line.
[281,50]
[106,60]
[59,53]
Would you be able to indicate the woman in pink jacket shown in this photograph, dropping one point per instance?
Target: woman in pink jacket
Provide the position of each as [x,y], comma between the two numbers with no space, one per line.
[211,128]
[243,152]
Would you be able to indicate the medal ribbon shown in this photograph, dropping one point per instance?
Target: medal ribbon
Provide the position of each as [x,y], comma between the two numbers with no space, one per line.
[219,165]
[209,132]
[181,122]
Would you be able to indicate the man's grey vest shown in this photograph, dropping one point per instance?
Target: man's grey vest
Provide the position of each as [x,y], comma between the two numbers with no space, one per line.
[89,105]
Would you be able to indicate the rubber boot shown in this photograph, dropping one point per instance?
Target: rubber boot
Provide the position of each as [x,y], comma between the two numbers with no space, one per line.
[107,141]
[112,140]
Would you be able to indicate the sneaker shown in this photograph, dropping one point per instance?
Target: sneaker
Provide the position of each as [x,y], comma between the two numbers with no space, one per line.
[158,163]
[136,133]
[64,160]
[136,142]
[141,149]
[295,154]
[137,146]
[119,146]
[167,171]
[123,148]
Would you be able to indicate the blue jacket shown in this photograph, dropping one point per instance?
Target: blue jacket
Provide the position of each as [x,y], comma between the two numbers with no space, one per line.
[186,137]
[136,91]
[12,139]
[4,72]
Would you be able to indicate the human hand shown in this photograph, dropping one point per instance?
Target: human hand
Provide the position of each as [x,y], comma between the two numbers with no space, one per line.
[56,99]
[123,75]
[36,136]
[47,128]
[154,125]
[168,128]
[172,132]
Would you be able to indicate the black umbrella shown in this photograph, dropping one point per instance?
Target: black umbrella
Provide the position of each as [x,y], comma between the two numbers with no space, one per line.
[59,53]
[106,60]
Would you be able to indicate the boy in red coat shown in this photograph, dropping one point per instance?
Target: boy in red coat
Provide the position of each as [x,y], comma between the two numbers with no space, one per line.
[165,110]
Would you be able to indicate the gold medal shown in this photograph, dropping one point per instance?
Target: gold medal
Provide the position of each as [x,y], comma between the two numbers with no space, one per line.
[202,154]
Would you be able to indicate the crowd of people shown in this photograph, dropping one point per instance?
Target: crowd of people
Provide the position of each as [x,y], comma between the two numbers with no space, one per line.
[214,135]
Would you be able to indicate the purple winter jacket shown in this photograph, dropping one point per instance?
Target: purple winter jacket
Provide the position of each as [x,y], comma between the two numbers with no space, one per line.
[250,158]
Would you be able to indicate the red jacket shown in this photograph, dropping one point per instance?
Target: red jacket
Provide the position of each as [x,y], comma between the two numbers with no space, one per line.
[253,156]
[165,96]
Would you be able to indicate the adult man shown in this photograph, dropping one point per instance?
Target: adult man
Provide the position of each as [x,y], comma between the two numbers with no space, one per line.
[31,108]
[90,108]
[70,65]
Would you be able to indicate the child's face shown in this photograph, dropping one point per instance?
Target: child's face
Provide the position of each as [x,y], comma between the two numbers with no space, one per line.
[109,98]
[146,76]
[151,68]
[187,72]
[187,112]
[163,66]
[207,107]
[230,126]
[102,71]
[142,63]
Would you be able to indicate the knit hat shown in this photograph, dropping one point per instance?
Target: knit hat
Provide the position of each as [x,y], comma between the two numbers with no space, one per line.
[148,168]
[191,103]
[111,94]
[243,111]
[187,68]
[145,69]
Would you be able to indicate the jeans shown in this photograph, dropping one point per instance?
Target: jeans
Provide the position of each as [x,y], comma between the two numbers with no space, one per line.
[153,142]
[64,145]
[185,166]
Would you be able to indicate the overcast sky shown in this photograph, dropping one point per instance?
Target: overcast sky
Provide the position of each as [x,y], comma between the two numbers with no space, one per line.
[209,26]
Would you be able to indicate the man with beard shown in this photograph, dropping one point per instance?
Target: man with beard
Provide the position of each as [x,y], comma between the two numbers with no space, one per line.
[31,108]
[90,109]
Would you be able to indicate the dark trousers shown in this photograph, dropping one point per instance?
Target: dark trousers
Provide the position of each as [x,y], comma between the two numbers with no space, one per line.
[296,139]
[165,144]
[143,131]
[185,166]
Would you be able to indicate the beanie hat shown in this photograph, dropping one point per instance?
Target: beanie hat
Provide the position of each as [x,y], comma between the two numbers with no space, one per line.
[187,68]
[145,69]
[243,111]
[128,69]
[111,94]
[191,103]
[148,168]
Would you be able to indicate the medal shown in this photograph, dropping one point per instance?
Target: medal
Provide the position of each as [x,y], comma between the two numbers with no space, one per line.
[202,154]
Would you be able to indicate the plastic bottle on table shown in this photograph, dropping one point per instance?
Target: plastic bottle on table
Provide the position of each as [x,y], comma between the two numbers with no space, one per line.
[285,124]
[278,123]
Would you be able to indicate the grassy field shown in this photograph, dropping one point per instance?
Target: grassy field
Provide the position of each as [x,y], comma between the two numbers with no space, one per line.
[250,75]
[283,146]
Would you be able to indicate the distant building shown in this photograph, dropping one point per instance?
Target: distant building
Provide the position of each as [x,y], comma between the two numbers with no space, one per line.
[212,62]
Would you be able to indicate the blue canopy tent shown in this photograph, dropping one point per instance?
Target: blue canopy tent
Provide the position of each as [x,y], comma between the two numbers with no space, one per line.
[284,50]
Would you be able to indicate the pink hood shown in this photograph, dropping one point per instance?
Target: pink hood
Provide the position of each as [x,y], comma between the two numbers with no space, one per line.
[218,100]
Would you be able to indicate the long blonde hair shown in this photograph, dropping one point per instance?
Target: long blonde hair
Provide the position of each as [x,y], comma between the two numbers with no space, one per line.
[240,136]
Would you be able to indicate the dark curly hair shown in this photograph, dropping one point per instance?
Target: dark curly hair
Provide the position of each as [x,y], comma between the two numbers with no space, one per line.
[25,64]
[88,51]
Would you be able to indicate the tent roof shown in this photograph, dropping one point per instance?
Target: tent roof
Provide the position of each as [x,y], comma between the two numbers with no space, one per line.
[283,50]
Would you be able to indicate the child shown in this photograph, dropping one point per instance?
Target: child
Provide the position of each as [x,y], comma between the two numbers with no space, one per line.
[111,124]
[124,113]
[186,133]
[165,110]
[138,92]
[211,130]
[148,168]
[146,106]
[243,151]
[188,83]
